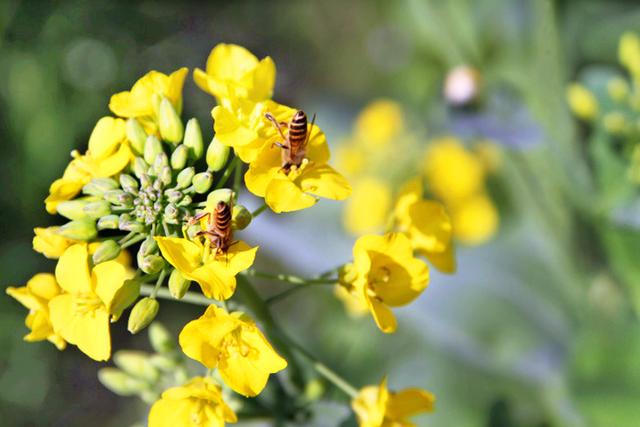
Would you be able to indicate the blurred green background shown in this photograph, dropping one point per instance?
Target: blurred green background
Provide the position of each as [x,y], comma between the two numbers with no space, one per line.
[509,341]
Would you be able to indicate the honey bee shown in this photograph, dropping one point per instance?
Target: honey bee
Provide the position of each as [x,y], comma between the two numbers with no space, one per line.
[294,145]
[218,230]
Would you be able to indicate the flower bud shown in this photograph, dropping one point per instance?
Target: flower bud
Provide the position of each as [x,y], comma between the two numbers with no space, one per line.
[179,157]
[97,186]
[106,251]
[171,128]
[97,209]
[217,155]
[160,163]
[160,339]
[73,209]
[142,314]
[119,382]
[136,363]
[145,181]
[202,182]
[174,196]
[185,177]
[193,139]
[161,362]
[130,225]
[241,217]
[171,211]
[140,167]
[178,284]
[186,201]
[129,183]
[166,175]
[79,230]
[126,295]
[136,135]
[108,222]
[113,196]
[151,264]
[220,195]
[152,147]
[148,246]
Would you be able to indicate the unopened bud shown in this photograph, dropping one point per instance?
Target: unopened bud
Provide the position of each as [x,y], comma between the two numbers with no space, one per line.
[220,195]
[178,284]
[148,246]
[241,217]
[97,186]
[171,128]
[140,167]
[160,339]
[179,157]
[97,209]
[217,155]
[162,362]
[186,201]
[119,382]
[142,314]
[136,135]
[73,209]
[108,222]
[160,163]
[166,175]
[129,183]
[202,182]
[185,177]
[113,196]
[171,211]
[152,147]
[136,363]
[152,264]
[130,225]
[106,251]
[193,139]
[146,181]
[174,196]
[79,230]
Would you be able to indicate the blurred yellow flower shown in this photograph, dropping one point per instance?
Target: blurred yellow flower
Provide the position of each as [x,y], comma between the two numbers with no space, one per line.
[234,71]
[198,403]
[301,186]
[49,243]
[81,314]
[475,220]
[379,123]
[367,210]
[629,53]
[350,159]
[385,274]
[108,153]
[214,272]
[233,344]
[582,102]
[35,296]
[376,406]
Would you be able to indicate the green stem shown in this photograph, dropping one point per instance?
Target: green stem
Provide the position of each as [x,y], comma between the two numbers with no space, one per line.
[237,177]
[159,282]
[259,210]
[189,297]
[132,241]
[227,173]
[289,278]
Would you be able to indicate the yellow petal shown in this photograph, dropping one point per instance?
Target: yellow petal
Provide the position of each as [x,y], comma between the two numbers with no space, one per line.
[40,327]
[183,254]
[405,282]
[108,277]
[174,413]
[430,227]
[443,261]
[323,181]
[108,133]
[283,195]
[72,271]
[475,220]
[368,207]
[383,315]
[47,242]
[44,285]
[410,402]
[26,298]
[216,282]
[111,165]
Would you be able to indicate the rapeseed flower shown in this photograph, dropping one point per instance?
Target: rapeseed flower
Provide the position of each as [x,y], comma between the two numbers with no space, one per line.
[49,243]
[582,102]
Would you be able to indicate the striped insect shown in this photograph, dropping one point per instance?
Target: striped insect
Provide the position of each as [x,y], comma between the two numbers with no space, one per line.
[294,144]
[218,228]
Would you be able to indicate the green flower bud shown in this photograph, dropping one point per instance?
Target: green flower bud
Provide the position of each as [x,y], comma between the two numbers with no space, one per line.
[186,201]
[119,382]
[171,211]
[171,128]
[97,186]
[178,284]
[130,225]
[108,222]
[160,339]
[73,209]
[202,182]
[217,155]
[149,246]
[140,167]
[160,163]
[166,176]
[97,209]
[106,251]
[179,157]
[136,363]
[79,230]
[185,177]
[150,396]
[136,135]
[241,217]
[220,195]
[126,295]
[162,362]
[314,390]
[142,314]
[152,264]
[113,196]
[193,139]
[174,196]
[146,181]
[129,183]
[152,147]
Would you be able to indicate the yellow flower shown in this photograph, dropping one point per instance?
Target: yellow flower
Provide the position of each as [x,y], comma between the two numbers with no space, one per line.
[49,243]
[215,273]
[475,220]
[242,125]
[350,159]
[198,403]
[36,296]
[376,406]
[144,98]
[367,209]
[427,225]
[582,102]
[301,186]
[234,71]
[629,53]
[108,153]
[81,314]
[234,344]
[385,274]
[379,123]
[452,172]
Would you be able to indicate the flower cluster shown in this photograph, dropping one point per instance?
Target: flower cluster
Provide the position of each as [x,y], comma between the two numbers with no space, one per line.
[148,183]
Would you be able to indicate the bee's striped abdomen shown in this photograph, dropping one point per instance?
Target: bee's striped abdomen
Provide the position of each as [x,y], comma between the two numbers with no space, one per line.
[222,224]
[297,131]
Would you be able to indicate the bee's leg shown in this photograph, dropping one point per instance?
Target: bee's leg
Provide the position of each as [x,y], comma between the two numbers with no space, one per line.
[313,122]
[273,120]
[197,217]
